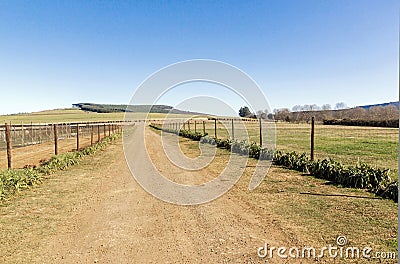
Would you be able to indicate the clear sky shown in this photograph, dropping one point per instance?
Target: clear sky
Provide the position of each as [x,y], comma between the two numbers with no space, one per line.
[55,53]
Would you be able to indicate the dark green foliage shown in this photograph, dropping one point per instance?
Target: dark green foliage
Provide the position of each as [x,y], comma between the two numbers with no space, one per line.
[184,133]
[224,143]
[13,181]
[362,176]
[390,192]
[371,123]
[109,108]
[240,147]
[208,140]
[245,112]
[292,160]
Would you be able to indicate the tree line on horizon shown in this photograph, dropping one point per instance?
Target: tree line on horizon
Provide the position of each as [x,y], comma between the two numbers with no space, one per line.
[325,113]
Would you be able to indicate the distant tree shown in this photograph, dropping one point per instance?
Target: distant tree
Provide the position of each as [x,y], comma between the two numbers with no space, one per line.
[296,108]
[315,107]
[244,112]
[390,112]
[282,114]
[377,113]
[326,107]
[340,106]
[261,114]
[358,113]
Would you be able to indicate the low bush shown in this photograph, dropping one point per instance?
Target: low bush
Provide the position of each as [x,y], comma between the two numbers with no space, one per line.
[362,176]
[355,122]
[184,133]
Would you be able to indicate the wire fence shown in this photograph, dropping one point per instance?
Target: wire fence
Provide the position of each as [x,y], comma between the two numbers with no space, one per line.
[27,144]
[350,145]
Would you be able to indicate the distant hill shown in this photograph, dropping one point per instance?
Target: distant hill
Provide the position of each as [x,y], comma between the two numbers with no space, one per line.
[383,105]
[110,108]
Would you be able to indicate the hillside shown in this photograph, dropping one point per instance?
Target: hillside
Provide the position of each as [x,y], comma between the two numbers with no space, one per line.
[396,104]
[110,108]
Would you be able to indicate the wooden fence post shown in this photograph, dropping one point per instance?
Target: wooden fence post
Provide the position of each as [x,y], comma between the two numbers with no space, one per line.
[312,137]
[98,133]
[109,130]
[9,146]
[104,130]
[22,134]
[204,127]
[31,132]
[260,132]
[233,131]
[215,128]
[184,126]
[189,125]
[91,135]
[195,126]
[77,137]
[55,139]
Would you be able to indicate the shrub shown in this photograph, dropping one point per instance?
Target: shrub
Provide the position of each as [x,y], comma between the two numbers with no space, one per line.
[363,176]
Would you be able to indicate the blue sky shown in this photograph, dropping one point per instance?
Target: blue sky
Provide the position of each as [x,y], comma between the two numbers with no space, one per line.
[55,53]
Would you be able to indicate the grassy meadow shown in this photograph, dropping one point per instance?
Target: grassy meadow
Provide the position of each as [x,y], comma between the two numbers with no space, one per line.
[347,144]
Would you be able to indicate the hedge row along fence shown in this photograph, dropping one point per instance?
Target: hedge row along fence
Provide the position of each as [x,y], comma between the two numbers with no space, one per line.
[21,135]
[362,176]
[14,180]
[355,122]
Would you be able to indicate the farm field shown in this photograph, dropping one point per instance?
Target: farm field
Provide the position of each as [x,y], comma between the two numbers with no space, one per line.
[95,212]
[72,115]
[348,144]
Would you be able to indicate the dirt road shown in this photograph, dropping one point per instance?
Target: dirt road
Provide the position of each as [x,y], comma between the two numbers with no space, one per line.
[127,225]
[97,213]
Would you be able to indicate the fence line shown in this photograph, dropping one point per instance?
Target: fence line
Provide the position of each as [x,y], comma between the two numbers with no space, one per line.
[15,136]
[350,145]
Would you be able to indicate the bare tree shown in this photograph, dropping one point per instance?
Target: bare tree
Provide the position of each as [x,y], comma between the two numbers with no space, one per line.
[376,113]
[296,108]
[261,114]
[356,113]
[326,107]
[340,106]
[390,112]
[282,114]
